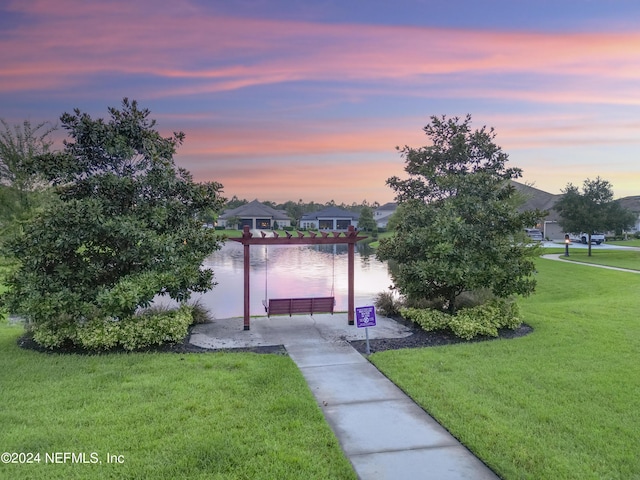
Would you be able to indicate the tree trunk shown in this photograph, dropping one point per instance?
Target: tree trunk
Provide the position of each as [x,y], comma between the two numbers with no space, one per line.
[589,243]
[452,302]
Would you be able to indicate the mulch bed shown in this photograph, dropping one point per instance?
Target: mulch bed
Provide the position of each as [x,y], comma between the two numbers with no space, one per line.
[418,339]
[27,342]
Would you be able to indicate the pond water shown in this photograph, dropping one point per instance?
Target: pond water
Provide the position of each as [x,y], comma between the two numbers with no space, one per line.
[280,271]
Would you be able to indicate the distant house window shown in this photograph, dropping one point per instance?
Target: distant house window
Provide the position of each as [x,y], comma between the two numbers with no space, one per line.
[245,221]
[343,224]
[263,223]
[326,224]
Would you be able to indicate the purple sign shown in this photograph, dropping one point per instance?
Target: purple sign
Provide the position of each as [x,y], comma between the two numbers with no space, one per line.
[366,317]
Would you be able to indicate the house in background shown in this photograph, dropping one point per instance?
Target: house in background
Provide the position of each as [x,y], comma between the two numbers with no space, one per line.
[536,198]
[632,203]
[331,218]
[550,225]
[256,215]
[381,215]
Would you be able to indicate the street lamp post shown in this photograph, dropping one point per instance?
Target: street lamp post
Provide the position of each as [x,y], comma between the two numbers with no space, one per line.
[567,241]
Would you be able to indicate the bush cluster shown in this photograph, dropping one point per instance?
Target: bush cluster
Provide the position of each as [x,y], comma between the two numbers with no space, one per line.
[387,304]
[470,322]
[153,326]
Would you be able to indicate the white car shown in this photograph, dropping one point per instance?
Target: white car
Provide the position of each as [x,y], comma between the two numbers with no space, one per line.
[596,238]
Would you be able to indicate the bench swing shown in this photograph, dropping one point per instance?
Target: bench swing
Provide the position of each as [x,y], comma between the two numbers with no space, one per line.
[297,306]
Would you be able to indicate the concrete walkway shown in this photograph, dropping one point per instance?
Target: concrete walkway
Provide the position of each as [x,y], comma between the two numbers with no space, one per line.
[382,431]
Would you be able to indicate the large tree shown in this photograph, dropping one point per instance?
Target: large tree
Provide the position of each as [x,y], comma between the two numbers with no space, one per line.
[125,226]
[366,221]
[457,227]
[20,187]
[592,209]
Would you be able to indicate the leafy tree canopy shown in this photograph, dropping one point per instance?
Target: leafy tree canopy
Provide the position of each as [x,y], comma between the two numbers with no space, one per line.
[592,209]
[457,227]
[366,221]
[21,190]
[125,225]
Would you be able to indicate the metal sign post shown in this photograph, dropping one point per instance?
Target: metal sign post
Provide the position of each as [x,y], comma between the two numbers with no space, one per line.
[365,318]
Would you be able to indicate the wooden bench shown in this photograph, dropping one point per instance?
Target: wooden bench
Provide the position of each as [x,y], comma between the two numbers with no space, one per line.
[291,306]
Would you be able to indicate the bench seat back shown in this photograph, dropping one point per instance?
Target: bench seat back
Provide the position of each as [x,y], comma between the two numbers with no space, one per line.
[291,306]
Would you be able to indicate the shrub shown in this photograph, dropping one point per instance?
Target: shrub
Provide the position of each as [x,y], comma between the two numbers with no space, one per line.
[387,304]
[429,319]
[55,333]
[471,322]
[151,328]
[99,334]
[154,326]
[199,313]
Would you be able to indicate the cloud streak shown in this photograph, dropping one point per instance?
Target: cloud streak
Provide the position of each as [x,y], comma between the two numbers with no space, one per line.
[219,53]
[264,100]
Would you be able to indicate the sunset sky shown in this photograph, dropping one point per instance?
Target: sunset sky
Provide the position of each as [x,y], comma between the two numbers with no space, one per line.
[283,99]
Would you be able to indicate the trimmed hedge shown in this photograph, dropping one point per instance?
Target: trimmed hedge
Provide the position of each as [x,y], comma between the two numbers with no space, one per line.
[470,322]
[151,327]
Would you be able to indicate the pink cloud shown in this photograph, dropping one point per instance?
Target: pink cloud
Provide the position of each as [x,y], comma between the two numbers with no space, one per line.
[291,139]
[71,38]
[281,181]
[181,50]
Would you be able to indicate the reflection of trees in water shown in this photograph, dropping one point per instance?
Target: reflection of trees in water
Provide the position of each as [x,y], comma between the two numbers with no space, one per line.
[231,255]
[365,251]
[363,248]
[335,249]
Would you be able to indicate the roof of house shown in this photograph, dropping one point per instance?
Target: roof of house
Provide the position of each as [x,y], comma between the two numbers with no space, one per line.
[330,212]
[384,217]
[538,199]
[255,209]
[388,206]
[631,203]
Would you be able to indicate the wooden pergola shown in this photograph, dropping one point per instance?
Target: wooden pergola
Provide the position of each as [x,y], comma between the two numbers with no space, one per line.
[350,237]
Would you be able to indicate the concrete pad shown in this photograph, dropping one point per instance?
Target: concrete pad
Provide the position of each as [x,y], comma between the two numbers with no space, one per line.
[382,426]
[443,463]
[350,383]
[298,329]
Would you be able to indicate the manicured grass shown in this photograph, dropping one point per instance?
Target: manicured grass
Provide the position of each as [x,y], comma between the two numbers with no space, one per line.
[613,258]
[196,416]
[560,403]
[381,235]
[627,243]
[230,233]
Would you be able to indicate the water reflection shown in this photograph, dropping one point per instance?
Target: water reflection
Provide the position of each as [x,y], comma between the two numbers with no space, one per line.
[279,271]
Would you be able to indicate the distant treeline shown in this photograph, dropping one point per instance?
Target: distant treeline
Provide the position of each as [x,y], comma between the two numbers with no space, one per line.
[295,210]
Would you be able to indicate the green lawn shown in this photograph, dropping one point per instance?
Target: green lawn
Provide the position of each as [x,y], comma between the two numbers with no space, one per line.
[613,258]
[167,416]
[560,403]
[382,235]
[635,242]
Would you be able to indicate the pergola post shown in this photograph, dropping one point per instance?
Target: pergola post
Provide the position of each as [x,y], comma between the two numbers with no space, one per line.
[351,283]
[350,238]
[247,286]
